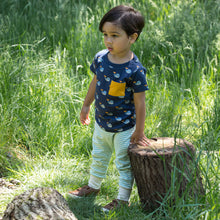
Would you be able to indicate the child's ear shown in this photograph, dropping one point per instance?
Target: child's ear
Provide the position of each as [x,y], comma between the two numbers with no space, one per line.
[133,37]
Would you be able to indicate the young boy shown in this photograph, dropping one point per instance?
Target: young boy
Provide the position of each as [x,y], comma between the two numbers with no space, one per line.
[118,87]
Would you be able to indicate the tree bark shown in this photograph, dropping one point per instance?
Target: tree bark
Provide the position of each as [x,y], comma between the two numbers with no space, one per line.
[39,203]
[166,166]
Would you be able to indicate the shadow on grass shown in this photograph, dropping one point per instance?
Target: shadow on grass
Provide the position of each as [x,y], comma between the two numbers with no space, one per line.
[84,208]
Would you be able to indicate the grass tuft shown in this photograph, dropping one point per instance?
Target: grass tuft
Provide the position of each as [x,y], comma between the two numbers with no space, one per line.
[46,49]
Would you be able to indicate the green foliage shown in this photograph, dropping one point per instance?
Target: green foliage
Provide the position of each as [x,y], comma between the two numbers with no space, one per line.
[46,48]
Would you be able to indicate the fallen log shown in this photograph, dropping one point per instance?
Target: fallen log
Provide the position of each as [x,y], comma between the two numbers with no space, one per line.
[165,161]
[39,203]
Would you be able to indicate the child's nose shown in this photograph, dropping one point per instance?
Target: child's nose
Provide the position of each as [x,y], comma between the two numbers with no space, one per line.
[108,40]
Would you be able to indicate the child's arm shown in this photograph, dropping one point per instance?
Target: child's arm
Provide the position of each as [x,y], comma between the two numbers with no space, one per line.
[138,137]
[84,114]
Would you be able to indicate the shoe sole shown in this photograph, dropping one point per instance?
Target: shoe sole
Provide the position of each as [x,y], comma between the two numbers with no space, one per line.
[75,196]
[105,210]
[80,197]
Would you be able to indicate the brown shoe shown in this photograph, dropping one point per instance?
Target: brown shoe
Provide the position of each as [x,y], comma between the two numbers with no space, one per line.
[83,192]
[116,203]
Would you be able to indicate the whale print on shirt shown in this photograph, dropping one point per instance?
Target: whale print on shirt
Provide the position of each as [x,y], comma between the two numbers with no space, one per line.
[103,92]
[111,102]
[138,83]
[109,113]
[127,70]
[109,125]
[102,105]
[118,118]
[116,113]
[142,72]
[119,108]
[126,121]
[101,69]
[116,75]
[100,59]
[127,112]
[127,101]
[107,79]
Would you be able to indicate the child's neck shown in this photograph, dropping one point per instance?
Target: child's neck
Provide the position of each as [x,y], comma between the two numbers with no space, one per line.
[120,60]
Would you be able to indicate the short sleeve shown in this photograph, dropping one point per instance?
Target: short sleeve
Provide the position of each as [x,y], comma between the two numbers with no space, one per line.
[139,81]
[97,60]
[93,66]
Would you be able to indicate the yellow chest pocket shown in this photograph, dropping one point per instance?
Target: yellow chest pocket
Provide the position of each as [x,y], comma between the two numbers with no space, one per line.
[117,89]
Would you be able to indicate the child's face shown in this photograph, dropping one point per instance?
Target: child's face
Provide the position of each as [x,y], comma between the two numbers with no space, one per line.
[116,40]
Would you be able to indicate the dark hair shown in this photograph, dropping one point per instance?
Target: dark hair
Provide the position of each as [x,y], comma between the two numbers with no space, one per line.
[130,20]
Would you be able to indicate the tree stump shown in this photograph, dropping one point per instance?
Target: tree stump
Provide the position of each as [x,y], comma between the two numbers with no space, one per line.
[39,203]
[167,161]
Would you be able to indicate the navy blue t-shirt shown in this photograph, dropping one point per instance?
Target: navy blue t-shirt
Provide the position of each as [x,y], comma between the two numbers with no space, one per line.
[115,86]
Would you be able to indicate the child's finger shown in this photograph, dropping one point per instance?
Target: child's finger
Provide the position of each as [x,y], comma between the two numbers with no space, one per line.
[87,121]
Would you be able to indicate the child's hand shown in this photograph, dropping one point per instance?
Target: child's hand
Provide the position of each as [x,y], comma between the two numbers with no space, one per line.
[140,139]
[84,115]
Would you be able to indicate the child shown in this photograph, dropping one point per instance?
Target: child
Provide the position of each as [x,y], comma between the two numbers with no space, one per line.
[118,87]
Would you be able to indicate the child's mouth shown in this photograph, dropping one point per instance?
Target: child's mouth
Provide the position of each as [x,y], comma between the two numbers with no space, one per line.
[110,49]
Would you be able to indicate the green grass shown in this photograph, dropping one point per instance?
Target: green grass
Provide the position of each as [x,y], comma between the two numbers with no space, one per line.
[46,48]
